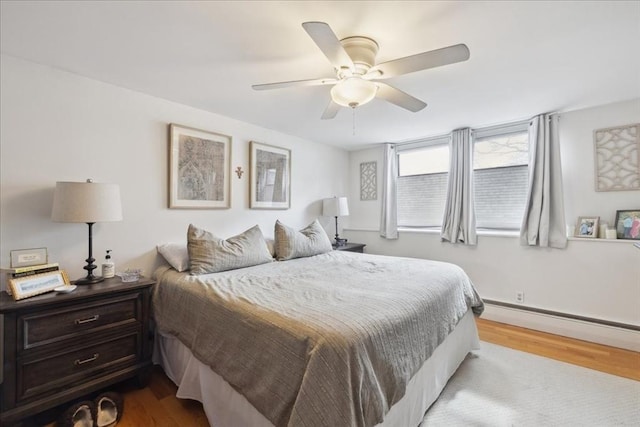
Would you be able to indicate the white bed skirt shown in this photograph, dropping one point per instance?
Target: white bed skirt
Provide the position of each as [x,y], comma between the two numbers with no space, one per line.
[225,407]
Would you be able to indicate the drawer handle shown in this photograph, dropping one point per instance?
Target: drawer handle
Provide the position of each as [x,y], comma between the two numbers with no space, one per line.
[79,362]
[88,319]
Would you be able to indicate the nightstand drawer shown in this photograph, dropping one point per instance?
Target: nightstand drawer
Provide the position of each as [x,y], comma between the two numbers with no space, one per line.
[69,367]
[49,326]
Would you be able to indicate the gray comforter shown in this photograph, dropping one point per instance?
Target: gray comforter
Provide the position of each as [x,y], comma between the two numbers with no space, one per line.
[331,340]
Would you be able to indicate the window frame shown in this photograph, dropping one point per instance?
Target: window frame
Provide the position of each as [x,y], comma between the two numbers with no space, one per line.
[498,131]
[504,129]
[435,141]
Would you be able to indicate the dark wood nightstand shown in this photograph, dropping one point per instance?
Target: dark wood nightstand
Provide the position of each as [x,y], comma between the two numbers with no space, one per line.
[351,247]
[59,347]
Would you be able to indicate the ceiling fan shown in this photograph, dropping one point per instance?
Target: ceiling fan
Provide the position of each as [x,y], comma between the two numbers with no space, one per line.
[358,76]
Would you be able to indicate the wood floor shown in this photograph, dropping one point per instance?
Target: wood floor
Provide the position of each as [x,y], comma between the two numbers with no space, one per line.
[616,361]
[157,406]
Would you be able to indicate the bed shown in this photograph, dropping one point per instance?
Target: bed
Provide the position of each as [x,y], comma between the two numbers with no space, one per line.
[335,339]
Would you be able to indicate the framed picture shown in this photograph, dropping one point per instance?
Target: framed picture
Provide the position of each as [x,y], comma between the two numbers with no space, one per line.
[28,257]
[587,226]
[29,286]
[628,224]
[270,177]
[199,169]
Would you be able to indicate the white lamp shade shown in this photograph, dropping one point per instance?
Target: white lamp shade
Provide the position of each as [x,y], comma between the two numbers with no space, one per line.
[353,92]
[335,206]
[86,202]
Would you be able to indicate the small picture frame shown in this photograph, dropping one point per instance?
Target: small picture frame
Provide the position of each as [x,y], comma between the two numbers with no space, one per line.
[587,226]
[270,177]
[28,257]
[25,287]
[628,224]
[199,169]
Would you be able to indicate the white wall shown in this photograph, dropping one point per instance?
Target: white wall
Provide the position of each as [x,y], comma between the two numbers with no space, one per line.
[598,279]
[57,126]
[578,162]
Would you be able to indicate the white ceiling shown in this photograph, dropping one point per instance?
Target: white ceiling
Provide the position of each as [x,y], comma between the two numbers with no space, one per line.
[526,57]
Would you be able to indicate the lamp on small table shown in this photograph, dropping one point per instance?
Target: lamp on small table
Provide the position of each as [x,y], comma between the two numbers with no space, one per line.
[336,206]
[87,202]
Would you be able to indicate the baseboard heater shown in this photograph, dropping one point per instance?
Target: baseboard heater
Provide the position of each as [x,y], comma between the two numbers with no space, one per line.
[615,334]
[564,315]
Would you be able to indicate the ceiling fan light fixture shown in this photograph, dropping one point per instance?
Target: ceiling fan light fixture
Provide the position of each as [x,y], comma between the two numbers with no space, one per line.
[353,92]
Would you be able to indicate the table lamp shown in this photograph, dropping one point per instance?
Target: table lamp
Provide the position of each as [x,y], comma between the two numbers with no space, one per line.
[336,206]
[87,202]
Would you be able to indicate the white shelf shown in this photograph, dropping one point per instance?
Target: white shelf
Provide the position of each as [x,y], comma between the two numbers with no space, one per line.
[588,239]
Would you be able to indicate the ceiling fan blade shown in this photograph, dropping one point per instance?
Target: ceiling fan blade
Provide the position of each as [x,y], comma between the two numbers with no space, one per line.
[331,111]
[295,83]
[422,61]
[325,38]
[399,98]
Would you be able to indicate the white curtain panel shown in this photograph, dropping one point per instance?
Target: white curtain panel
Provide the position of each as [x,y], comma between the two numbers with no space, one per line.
[459,222]
[543,223]
[389,214]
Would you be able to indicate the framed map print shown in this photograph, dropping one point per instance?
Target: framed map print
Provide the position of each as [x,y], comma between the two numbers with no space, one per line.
[199,169]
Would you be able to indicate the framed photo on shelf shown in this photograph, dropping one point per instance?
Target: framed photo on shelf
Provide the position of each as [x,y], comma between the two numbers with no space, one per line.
[36,284]
[270,177]
[28,257]
[199,169]
[587,226]
[628,224]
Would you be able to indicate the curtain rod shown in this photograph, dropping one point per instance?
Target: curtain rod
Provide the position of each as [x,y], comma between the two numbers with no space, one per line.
[473,130]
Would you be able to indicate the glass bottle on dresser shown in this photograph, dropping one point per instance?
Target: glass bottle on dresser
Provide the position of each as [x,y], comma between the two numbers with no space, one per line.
[108,267]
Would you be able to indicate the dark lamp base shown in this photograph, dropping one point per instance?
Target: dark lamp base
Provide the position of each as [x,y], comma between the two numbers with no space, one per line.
[89,280]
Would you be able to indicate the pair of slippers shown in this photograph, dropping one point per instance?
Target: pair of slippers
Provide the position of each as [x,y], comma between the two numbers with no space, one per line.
[105,411]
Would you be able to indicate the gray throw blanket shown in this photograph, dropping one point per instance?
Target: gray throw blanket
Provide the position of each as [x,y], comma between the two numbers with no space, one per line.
[330,340]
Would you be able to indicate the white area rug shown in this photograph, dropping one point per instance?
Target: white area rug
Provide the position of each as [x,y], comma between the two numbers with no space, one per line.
[498,386]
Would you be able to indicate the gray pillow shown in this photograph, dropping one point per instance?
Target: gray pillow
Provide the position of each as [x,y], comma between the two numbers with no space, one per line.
[210,254]
[290,243]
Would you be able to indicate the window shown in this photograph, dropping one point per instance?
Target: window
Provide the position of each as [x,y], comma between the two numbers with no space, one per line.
[422,183]
[500,163]
[501,176]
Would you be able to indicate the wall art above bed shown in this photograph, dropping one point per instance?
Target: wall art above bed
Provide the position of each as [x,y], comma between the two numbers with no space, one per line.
[199,169]
[270,177]
[617,157]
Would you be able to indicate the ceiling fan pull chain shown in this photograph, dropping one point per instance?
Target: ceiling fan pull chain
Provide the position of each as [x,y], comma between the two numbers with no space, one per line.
[353,109]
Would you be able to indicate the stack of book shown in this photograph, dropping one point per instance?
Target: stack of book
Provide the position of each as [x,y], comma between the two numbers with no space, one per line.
[16,273]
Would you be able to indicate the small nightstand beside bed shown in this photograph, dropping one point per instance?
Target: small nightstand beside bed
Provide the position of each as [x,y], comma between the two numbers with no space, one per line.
[60,347]
[334,339]
[351,247]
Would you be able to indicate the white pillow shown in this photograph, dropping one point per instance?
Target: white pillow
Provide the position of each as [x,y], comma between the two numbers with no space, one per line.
[311,240]
[175,254]
[271,244]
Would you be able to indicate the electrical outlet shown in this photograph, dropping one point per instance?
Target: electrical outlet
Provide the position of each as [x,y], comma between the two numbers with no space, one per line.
[520,297]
